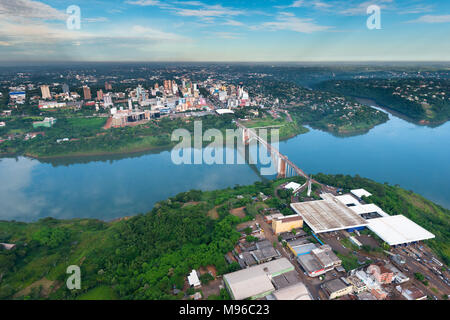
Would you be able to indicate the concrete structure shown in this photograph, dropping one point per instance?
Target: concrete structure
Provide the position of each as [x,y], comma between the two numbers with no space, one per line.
[398,230]
[336,288]
[286,223]
[193,279]
[255,282]
[328,215]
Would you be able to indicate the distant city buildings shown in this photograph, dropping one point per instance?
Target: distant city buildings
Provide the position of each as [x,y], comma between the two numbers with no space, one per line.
[87,93]
[45,92]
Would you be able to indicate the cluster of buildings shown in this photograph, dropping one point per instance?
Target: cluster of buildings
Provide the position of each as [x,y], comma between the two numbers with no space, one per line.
[369,284]
[273,280]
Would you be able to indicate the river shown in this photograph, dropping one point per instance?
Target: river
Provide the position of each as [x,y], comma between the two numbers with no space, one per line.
[399,152]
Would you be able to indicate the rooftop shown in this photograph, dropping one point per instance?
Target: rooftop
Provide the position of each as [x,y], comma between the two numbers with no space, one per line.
[328,215]
[334,285]
[255,280]
[360,193]
[398,229]
[296,291]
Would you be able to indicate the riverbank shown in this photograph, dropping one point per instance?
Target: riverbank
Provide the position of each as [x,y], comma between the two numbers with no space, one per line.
[163,245]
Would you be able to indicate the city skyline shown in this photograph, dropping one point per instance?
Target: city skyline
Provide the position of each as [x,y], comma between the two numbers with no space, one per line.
[231,31]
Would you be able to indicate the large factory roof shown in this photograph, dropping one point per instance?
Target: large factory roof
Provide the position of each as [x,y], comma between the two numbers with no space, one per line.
[398,229]
[328,215]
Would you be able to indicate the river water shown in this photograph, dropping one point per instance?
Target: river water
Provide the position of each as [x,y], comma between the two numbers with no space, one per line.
[399,152]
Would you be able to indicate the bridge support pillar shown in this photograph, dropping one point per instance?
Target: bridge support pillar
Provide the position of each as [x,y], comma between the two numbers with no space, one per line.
[245,136]
[282,168]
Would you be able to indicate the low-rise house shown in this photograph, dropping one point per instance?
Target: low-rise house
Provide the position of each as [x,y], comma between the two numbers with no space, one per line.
[336,288]
[358,285]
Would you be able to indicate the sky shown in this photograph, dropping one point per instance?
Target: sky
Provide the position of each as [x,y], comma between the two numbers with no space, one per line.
[227,30]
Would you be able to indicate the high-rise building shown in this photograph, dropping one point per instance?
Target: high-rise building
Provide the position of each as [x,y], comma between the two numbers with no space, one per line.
[108,86]
[45,92]
[107,100]
[65,88]
[99,95]
[86,93]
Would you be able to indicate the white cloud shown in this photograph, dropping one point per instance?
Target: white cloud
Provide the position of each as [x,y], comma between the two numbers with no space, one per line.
[234,23]
[144,3]
[432,19]
[361,9]
[288,22]
[30,9]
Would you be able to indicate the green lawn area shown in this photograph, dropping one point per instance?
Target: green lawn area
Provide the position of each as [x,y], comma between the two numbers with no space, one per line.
[99,293]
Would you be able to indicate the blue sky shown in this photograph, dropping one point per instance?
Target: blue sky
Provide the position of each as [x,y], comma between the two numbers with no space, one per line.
[252,30]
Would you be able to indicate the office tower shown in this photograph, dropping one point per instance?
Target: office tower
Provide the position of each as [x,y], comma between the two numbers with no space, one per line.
[86,93]
[45,92]
[99,95]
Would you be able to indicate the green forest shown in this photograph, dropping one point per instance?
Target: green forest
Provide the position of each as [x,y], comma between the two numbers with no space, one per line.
[388,93]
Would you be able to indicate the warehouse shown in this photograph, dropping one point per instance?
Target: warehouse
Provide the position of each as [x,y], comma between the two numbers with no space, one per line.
[328,215]
[254,282]
[286,223]
[297,291]
[398,230]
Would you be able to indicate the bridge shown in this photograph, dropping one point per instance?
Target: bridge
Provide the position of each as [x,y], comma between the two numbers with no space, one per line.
[285,167]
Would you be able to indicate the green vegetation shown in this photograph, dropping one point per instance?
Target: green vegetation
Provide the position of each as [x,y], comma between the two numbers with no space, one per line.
[349,262]
[422,100]
[395,200]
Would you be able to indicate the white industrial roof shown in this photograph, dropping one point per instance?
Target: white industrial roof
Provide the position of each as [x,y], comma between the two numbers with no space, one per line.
[292,185]
[328,215]
[255,280]
[368,208]
[348,199]
[360,193]
[296,291]
[398,229]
